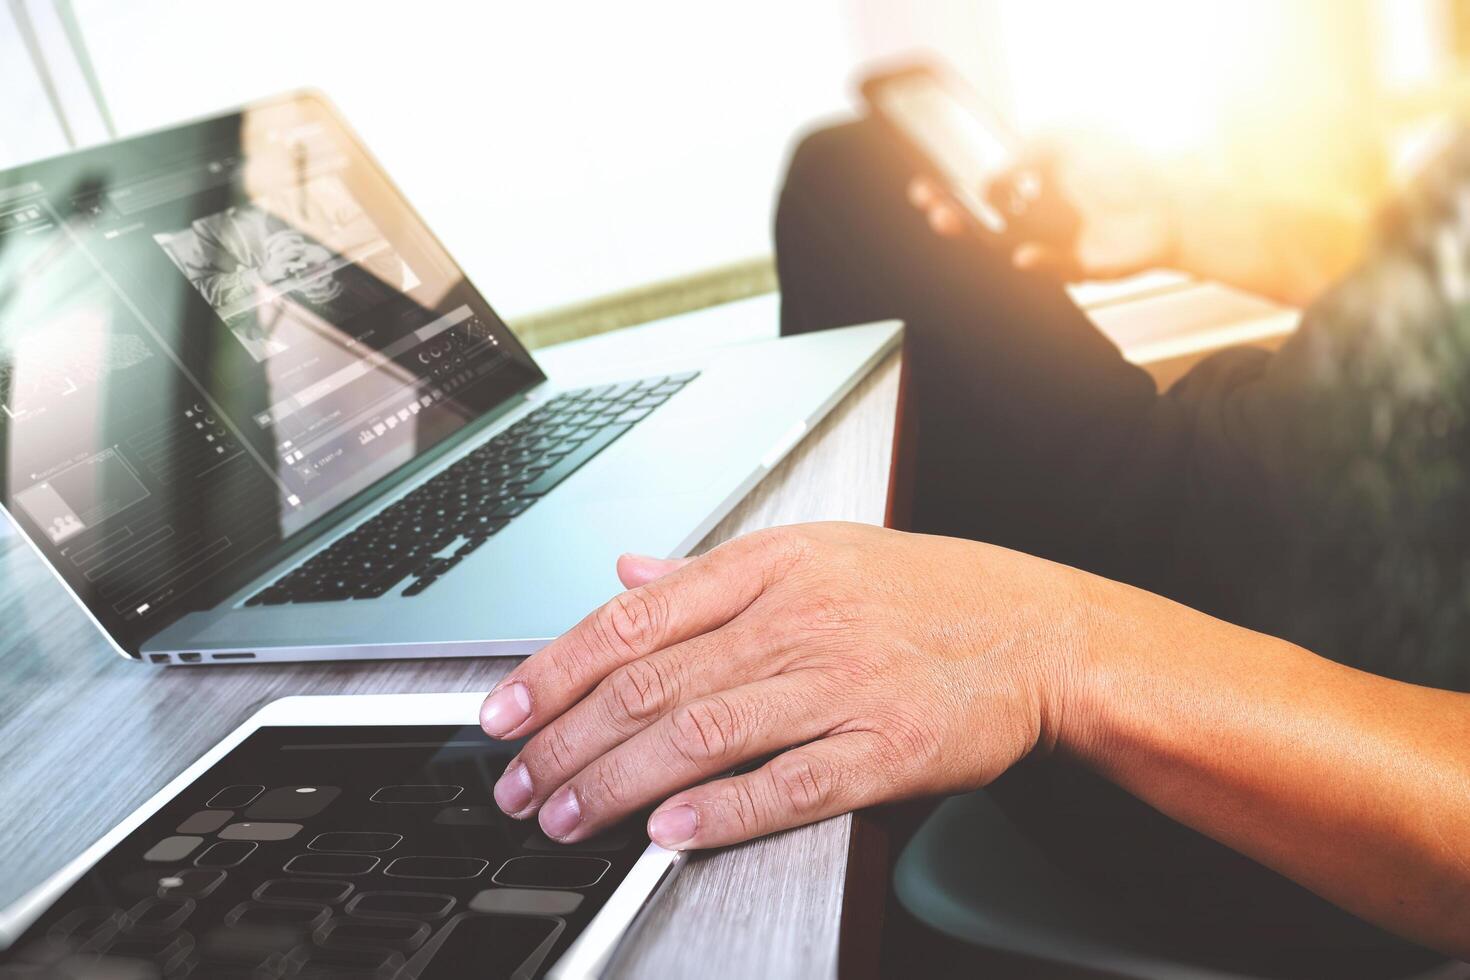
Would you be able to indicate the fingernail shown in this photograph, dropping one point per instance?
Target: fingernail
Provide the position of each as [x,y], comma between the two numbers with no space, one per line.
[561,814]
[513,790]
[674,826]
[505,710]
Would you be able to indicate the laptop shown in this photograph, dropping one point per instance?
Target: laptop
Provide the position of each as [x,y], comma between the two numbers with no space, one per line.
[251,410]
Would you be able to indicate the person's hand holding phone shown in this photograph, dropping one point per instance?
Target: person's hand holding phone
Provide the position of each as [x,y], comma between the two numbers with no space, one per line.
[1077,209]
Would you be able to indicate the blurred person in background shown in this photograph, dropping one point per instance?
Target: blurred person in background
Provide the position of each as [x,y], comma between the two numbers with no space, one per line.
[1316,493]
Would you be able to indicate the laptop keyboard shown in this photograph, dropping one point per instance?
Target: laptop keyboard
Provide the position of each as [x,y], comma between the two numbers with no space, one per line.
[421,537]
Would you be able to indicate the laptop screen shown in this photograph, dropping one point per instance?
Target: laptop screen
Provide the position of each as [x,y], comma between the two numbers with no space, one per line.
[212,337]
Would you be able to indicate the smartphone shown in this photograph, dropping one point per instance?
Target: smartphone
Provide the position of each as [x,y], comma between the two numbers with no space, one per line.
[960,139]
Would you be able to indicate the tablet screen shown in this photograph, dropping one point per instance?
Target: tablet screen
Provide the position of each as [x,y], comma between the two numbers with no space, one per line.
[333,852]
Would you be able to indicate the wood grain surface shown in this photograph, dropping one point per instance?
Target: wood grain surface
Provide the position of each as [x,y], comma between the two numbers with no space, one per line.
[86,737]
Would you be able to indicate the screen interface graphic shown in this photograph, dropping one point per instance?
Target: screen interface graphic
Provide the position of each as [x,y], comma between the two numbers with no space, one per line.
[364,852]
[211,337]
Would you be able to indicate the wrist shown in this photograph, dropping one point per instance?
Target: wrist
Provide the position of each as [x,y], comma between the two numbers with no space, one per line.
[1108,649]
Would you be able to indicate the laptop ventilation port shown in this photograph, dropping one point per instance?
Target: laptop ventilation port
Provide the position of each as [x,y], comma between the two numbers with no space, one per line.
[189,658]
[232,656]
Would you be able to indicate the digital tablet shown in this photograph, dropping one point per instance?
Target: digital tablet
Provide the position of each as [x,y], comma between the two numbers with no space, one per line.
[350,836]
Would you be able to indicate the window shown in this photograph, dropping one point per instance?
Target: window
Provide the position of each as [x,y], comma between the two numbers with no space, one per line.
[562,150]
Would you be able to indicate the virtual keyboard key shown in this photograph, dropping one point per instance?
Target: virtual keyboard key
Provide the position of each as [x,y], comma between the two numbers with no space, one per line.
[343,963]
[499,946]
[234,797]
[86,923]
[312,891]
[260,831]
[525,901]
[172,849]
[226,854]
[86,966]
[189,883]
[356,842]
[244,946]
[205,822]
[292,803]
[414,905]
[158,914]
[551,871]
[339,865]
[417,793]
[162,953]
[404,934]
[260,914]
[445,868]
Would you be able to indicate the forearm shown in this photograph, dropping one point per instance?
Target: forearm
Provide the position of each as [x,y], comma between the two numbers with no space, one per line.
[1289,252]
[1355,786]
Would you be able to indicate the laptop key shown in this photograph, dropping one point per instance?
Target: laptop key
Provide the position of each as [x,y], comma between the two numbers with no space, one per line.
[634,414]
[419,586]
[469,546]
[512,507]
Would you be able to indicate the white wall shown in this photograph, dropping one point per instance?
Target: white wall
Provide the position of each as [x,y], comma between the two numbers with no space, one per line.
[561,149]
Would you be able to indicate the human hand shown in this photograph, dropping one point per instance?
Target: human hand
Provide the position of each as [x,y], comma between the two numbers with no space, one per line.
[879,665]
[1077,210]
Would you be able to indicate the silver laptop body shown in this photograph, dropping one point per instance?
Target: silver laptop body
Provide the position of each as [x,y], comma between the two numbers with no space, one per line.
[239,377]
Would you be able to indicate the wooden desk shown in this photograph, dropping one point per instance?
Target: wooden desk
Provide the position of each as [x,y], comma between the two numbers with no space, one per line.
[85,737]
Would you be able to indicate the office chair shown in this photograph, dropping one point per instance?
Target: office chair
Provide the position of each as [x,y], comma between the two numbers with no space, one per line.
[969,874]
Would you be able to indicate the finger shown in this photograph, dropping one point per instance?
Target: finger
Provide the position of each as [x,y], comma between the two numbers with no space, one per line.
[699,739]
[923,193]
[799,786]
[1035,257]
[629,700]
[701,596]
[946,219]
[1024,179]
[636,570]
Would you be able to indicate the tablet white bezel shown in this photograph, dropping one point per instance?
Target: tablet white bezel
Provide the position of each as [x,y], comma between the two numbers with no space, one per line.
[584,958]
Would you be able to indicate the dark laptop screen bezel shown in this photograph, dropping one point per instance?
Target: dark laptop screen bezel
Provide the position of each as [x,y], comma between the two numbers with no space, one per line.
[126,160]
